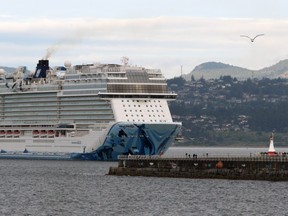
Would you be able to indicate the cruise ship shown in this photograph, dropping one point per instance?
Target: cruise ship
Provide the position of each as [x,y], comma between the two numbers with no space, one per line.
[85,112]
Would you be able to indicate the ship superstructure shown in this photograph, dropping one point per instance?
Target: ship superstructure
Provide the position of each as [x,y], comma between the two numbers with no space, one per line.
[92,111]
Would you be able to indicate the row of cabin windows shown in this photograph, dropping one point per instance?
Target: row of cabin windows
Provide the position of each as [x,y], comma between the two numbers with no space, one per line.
[140,105]
[141,110]
[131,118]
[142,115]
[141,101]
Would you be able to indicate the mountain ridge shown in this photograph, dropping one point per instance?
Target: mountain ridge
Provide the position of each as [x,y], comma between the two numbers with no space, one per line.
[212,70]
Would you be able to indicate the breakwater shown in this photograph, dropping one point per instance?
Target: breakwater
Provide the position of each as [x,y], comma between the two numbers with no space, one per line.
[262,167]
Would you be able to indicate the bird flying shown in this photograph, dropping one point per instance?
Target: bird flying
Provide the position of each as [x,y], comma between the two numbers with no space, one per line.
[252,39]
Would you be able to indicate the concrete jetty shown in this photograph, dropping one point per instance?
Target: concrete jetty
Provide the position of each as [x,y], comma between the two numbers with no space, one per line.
[260,167]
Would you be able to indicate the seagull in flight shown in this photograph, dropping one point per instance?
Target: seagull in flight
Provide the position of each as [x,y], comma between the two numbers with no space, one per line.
[252,39]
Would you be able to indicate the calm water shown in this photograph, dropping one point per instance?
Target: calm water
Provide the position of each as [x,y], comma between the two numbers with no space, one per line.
[83,188]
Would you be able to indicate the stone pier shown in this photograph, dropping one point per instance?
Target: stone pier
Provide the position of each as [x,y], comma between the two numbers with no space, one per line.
[262,167]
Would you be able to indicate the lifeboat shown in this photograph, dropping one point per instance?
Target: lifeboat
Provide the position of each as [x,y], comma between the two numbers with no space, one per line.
[51,133]
[35,133]
[9,133]
[43,133]
[16,133]
[2,133]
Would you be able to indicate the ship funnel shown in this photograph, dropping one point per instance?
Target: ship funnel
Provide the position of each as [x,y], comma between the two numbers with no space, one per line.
[42,67]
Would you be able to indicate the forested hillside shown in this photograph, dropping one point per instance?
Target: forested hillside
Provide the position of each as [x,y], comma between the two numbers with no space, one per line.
[227,111]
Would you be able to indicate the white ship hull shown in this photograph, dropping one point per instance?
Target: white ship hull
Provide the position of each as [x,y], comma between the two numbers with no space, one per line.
[120,139]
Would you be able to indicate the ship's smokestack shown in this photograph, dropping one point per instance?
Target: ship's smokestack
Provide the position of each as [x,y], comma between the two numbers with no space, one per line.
[42,67]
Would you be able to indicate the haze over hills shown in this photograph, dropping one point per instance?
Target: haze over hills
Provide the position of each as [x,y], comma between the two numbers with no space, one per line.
[8,69]
[212,70]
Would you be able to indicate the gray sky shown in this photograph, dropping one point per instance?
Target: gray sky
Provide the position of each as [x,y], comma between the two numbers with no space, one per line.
[162,34]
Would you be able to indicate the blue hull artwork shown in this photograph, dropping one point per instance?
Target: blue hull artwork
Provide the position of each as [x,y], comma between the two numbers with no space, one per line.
[133,139]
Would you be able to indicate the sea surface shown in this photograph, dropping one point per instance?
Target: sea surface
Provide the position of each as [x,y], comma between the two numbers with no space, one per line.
[42,187]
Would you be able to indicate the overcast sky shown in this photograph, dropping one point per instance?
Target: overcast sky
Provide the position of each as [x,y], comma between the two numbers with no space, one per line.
[162,34]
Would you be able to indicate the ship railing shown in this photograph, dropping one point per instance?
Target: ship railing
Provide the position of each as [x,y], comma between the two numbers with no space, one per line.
[154,71]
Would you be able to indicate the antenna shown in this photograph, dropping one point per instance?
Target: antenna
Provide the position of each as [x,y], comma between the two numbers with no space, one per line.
[181,70]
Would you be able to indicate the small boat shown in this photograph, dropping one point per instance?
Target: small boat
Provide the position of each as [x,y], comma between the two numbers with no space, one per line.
[179,137]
